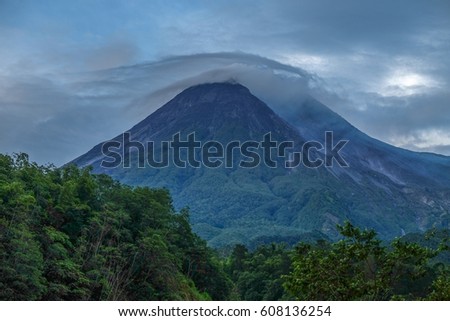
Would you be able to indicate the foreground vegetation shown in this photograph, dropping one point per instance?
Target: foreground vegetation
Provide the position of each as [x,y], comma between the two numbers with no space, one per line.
[68,235]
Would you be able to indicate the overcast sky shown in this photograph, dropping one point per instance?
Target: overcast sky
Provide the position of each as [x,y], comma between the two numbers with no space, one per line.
[383,65]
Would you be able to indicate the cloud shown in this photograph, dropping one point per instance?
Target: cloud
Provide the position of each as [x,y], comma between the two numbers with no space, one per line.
[417,122]
[51,118]
[63,116]
[384,65]
[114,54]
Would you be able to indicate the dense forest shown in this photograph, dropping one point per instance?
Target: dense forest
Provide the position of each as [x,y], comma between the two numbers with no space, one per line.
[66,234]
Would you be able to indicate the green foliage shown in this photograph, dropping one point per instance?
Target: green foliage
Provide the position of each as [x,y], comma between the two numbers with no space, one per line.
[440,289]
[360,267]
[68,235]
[257,275]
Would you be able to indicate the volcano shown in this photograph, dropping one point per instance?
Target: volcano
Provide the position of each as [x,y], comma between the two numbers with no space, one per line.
[391,190]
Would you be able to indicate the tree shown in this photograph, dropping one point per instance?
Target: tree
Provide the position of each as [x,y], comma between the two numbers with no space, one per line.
[359,267]
[257,274]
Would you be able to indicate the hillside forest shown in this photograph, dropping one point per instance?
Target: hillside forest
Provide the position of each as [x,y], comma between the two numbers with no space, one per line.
[66,234]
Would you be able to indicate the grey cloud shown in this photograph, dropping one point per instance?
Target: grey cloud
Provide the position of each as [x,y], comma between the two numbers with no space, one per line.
[114,54]
[402,121]
[53,120]
[63,117]
[384,117]
[324,27]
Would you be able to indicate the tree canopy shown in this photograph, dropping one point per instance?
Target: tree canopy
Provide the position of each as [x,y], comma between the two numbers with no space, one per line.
[68,235]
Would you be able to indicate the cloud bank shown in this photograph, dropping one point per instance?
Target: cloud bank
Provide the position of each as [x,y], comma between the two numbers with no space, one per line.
[383,65]
[63,116]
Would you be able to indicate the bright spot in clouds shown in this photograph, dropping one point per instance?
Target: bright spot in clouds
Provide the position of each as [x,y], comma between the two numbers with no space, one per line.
[402,83]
